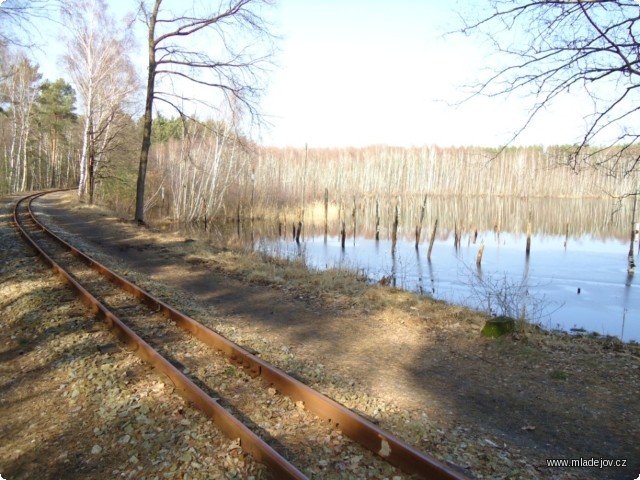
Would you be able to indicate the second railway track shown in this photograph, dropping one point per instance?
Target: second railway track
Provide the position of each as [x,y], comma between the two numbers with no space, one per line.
[270,412]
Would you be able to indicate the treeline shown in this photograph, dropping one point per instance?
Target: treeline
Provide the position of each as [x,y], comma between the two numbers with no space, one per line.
[201,170]
[387,172]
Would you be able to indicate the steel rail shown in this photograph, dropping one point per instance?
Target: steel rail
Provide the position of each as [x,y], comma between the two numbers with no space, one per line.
[359,429]
[230,425]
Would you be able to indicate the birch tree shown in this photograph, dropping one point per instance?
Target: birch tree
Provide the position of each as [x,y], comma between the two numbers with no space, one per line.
[4,117]
[97,60]
[18,93]
[199,169]
[216,46]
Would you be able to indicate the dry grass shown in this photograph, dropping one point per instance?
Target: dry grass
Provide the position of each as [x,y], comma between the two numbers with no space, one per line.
[348,285]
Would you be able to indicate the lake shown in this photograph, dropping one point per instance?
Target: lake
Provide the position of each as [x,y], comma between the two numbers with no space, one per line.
[547,282]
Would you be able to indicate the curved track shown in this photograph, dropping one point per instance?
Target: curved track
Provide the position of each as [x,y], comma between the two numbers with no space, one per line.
[150,328]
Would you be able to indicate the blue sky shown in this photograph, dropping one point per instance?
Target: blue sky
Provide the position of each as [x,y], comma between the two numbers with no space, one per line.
[355,73]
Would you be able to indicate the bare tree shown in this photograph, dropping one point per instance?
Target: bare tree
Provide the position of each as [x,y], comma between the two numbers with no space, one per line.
[553,48]
[100,68]
[19,91]
[17,20]
[218,47]
[199,168]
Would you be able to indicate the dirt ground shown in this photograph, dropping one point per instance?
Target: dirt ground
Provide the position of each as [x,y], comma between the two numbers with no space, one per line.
[495,408]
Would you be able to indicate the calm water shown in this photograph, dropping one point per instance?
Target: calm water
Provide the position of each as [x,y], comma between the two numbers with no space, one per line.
[547,283]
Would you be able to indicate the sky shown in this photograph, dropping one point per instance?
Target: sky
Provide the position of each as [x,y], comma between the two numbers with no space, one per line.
[355,73]
[372,72]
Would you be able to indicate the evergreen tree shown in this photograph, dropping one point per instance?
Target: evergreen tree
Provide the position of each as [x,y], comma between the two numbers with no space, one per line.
[55,113]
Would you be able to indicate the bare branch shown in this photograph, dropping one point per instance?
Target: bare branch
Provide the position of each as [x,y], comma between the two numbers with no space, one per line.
[549,48]
[219,48]
[17,17]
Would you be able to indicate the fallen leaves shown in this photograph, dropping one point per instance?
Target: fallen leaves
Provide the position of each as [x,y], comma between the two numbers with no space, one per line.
[94,412]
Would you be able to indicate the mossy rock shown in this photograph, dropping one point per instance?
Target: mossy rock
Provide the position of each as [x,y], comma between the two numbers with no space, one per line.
[498,326]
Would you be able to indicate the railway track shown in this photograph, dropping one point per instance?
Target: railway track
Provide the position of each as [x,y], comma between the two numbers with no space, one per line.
[173,343]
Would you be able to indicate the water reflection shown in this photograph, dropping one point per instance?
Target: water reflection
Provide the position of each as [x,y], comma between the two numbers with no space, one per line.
[549,216]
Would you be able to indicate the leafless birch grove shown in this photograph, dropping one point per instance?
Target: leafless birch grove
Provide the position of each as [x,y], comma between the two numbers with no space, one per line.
[21,93]
[195,173]
[98,63]
[387,172]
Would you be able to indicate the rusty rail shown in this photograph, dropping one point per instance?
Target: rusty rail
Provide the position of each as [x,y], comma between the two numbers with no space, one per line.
[392,449]
[230,425]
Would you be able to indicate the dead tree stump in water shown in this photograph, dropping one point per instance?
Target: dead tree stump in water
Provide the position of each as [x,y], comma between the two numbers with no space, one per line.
[354,215]
[419,227]
[326,213]
[377,221]
[432,239]
[632,263]
[298,232]
[343,234]
[528,249]
[480,253]
[394,231]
